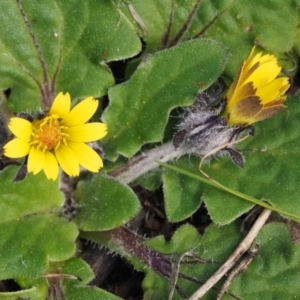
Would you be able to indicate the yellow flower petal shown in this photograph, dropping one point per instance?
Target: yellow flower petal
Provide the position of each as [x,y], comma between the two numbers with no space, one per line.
[256,93]
[245,91]
[244,110]
[265,73]
[81,113]
[272,90]
[246,74]
[86,156]
[36,160]
[250,61]
[63,130]
[67,160]
[232,89]
[87,132]
[50,166]
[21,128]
[61,105]
[16,148]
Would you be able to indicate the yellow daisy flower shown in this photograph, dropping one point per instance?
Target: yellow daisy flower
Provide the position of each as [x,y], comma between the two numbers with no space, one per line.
[58,139]
[256,93]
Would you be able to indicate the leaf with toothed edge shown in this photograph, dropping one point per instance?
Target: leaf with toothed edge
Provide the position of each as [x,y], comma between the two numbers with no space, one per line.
[237,24]
[34,195]
[204,254]
[270,171]
[53,46]
[165,80]
[186,239]
[32,242]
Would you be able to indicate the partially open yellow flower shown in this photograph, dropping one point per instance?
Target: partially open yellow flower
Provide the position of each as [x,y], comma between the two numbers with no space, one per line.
[256,93]
[58,139]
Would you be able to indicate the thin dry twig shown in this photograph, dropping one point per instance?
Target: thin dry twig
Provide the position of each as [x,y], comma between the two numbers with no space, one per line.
[236,255]
[174,277]
[175,274]
[240,268]
[138,19]
[62,276]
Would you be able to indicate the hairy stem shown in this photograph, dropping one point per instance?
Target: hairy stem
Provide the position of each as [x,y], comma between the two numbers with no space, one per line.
[130,245]
[145,162]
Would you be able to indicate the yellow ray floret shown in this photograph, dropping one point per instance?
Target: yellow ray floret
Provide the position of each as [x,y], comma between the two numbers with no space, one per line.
[256,92]
[58,139]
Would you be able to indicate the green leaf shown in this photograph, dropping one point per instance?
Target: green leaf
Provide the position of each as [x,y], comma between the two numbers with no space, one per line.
[69,289]
[271,170]
[59,45]
[34,293]
[155,16]
[229,186]
[76,267]
[214,247]
[35,194]
[28,244]
[183,240]
[75,289]
[104,204]
[164,80]
[280,36]
[211,182]
[76,292]
[239,25]
[246,23]
[274,273]
[150,181]
[182,196]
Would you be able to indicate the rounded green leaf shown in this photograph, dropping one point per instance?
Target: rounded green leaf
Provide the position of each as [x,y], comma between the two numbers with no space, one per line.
[182,196]
[150,181]
[76,267]
[202,254]
[78,289]
[27,244]
[274,273]
[104,203]
[70,288]
[35,194]
[184,239]
[214,247]
[139,109]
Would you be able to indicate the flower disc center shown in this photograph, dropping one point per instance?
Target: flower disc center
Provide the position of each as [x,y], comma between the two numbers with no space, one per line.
[48,134]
